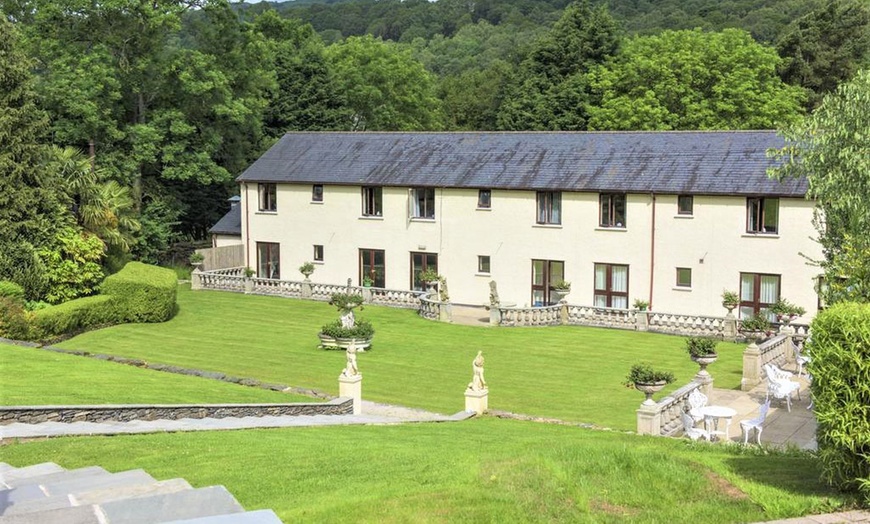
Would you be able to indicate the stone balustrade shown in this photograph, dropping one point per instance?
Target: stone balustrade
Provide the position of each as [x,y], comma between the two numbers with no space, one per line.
[690,325]
[663,417]
[395,297]
[429,308]
[602,317]
[531,316]
[777,350]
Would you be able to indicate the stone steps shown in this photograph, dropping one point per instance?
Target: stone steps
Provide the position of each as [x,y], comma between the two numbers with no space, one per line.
[48,494]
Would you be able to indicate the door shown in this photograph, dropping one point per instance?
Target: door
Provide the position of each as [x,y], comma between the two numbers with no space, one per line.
[545,273]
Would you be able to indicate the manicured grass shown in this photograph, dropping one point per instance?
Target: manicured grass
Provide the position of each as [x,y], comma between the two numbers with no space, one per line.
[486,470]
[568,372]
[37,377]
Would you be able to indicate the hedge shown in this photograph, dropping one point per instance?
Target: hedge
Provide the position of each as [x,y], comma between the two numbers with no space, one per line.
[11,290]
[144,293]
[840,367]
[74,315]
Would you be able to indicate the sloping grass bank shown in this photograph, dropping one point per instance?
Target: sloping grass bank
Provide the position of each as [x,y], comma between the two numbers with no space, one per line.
[573,373]
[486,470]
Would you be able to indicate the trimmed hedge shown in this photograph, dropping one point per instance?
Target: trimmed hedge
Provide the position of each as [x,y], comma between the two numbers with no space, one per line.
[143,293]
[11,290]
[74,315]
[840,347]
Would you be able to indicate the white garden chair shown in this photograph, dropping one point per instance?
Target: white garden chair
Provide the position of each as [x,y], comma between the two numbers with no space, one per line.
[756,423]
[779,386]
[800,358]
[697,400]
[691,431]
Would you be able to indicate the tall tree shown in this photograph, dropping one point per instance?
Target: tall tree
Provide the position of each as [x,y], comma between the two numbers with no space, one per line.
[550,91]
[693,80]
[826,47]
[385,86]
[831,149]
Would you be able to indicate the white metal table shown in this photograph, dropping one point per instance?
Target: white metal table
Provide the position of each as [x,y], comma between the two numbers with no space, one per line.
[712,415]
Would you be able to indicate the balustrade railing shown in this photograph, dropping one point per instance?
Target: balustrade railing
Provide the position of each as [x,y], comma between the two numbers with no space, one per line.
[664,418]
[430,309]
[395,297]
[691,325]
[222,281]
[325,291]
[602,317]
[281,288]
[775,350]
[531,316]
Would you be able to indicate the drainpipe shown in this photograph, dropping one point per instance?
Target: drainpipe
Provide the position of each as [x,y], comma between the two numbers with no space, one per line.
[247,227]
[652,251]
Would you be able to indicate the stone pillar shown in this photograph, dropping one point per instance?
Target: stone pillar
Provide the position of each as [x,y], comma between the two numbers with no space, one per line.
[563,312]
[730,327]
[649,420]
[788,331]
[642,321]
[706,380]
[351,387]
[477,401]
[494,316]
[195,281]
[445,312]
[249,285]
[367,295]
[751,367]
[306,288]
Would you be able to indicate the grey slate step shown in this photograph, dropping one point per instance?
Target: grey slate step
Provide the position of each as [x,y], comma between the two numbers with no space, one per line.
[16,474]
[74,515]
[109,494]
[189,504]
[60,476]
[263,516]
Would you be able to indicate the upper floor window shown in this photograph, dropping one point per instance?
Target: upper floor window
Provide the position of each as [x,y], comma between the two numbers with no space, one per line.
[268,197]
[549,207]
[762,215]
[484,199]
[372,201]
[684,277]
[483,263]
[423,202]
[318,253]
[612,210]
[685,204]
[317,193]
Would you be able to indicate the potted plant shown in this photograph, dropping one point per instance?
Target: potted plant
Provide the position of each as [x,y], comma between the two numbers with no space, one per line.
[367,281]
[641,305]
[346,329]
[306,269]
[196,259]
[756,327]
[703,351]
[647,380]
[430,278]
[561,288]
[249,272]
[730,300]
[249,284]
[785,311]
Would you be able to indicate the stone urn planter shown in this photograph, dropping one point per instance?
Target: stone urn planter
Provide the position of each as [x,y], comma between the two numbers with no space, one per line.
[329,342]
[647,380]
[704,361]
[649,389]
[560,294]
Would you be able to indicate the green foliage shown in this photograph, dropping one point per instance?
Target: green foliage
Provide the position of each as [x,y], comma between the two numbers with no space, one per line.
[640,305]
[307,268]
[196,257]
[72,268]
[645,374]
[361,329]
[701,346]
[693,80]
[12,290]
[75,315]
[14,320]
[346,301]
[757,323]
[562,285]
[143,293]
[830,150]
[782,308]
[385,86]
[840,347]
[429,275]
[730,299]
[20,263]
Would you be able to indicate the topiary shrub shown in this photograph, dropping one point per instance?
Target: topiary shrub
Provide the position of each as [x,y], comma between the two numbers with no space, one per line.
[75,315]
[14,321]
[143,293]
[11,290]
[840,347]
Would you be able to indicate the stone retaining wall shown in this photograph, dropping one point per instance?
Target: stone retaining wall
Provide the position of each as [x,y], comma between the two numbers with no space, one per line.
[126,413]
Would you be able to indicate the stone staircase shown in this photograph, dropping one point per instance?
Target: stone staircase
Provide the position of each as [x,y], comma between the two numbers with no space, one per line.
[49,494]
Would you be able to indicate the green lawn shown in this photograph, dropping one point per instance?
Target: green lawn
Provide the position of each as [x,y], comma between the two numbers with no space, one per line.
[482,470]
[37,377]
[568,372]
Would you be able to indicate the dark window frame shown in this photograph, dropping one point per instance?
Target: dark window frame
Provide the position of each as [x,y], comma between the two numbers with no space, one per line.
[372,201]
[267,197]
[758,214]
[682,208]
[678,284]
[378,280]
[422,206]
[317,193]
[608,210]
[272,252]
[318,253]
[547,280]
[484,199]
[480,264]
[548,207]
[755,303]
[608,292]
[427,260]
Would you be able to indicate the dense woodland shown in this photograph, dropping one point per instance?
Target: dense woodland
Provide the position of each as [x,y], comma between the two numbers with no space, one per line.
[124,122]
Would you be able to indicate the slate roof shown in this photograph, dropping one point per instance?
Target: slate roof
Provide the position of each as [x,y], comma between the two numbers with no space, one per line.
[672,162]
[229,224]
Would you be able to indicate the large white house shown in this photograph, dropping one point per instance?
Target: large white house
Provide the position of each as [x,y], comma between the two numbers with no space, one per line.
[671,218]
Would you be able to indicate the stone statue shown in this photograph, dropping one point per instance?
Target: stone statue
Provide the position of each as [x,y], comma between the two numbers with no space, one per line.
[493,294]
[347,319]
[477,381]
[350,370]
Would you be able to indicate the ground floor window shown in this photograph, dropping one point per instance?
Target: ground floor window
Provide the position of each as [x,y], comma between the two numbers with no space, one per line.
[421,262]
[611,286]
[268,260]
[758,292]
[372,267]
[545,273]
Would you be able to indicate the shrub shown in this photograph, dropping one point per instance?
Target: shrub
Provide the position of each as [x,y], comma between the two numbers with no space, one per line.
[645,374]
[562,285]
[75,315]
[700,346]
[11,290]
[346,301]
[840,346]
[306,269]
[143,293]
[361,329]
[755,323]
[14,322]
[196,257]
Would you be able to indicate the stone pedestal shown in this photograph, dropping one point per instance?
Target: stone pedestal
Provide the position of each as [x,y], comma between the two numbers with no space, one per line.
[704,378]
[445,312]
[195,281]
[249,285]
[563,312]
[494,316]
[751,367]
[649,420]
[351,387]
[729,327]
[306,288]
[642,320]
[477,401]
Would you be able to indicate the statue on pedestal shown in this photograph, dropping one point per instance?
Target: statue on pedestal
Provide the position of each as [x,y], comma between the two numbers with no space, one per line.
[350,369]
[493,295]
[477,381]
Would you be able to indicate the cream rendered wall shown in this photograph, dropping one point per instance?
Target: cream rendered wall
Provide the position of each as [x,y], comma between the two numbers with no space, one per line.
[507,232]
[225,240]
